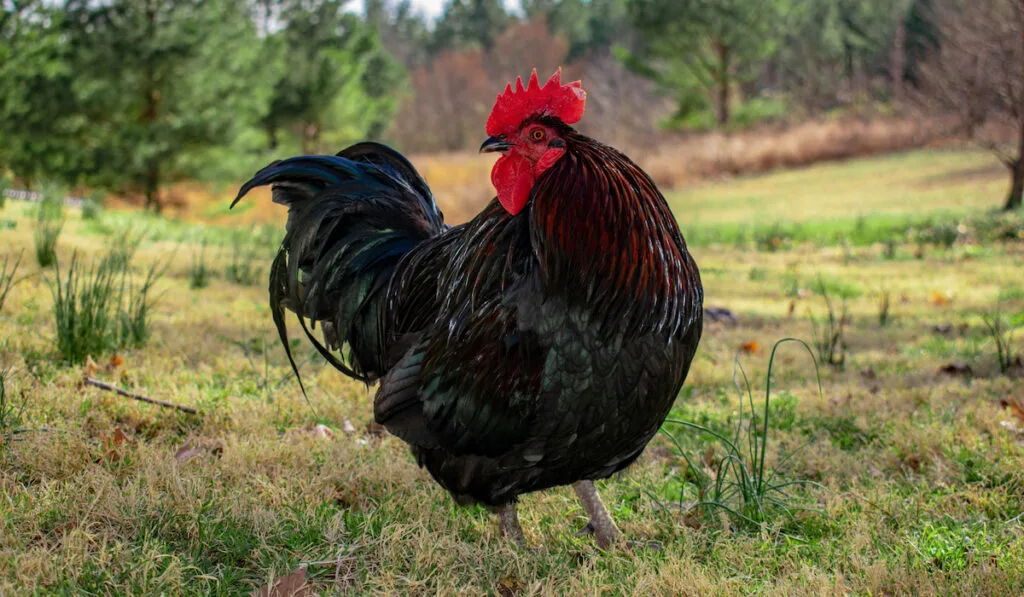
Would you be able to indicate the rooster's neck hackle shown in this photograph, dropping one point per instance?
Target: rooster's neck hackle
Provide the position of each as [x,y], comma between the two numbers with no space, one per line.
[606,238]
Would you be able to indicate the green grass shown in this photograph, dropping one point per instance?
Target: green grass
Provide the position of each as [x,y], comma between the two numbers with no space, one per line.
[863,202]
[908,480]
[49,224]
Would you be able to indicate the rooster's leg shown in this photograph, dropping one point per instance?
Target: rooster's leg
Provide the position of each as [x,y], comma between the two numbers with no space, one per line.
[601,522]
[508,523]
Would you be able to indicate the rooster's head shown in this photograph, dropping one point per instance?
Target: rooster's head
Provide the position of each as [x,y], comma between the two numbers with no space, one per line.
[528,127]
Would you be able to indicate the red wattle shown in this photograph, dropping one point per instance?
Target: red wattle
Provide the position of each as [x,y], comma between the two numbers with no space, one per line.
[513,178]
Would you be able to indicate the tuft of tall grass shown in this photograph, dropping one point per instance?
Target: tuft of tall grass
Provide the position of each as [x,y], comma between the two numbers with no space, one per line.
[85,309]
[49,224]
[199,274]
[244,268]
[884,303]
[11,412]
[137,304]
[122,249]
[8,271]
[99,309]
[1001,330]
[830,334]
[740,483]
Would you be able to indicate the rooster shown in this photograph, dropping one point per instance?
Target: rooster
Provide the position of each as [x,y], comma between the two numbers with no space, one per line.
[540,344]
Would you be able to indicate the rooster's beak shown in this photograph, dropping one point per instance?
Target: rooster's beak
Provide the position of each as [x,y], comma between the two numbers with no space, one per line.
[493,144]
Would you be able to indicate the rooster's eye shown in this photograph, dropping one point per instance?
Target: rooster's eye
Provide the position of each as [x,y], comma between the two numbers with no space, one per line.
[537,134]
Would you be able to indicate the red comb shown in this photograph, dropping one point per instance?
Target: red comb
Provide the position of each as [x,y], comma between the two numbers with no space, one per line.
[565,102]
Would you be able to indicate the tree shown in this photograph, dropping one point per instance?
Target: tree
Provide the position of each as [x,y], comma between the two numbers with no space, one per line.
[468,24]
[978,74]
[335,83]
[697,48]
[403,32]
[590,26]
[39,138]
[158,81]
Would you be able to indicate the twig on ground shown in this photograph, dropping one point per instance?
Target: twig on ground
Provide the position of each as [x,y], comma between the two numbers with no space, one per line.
[112,388]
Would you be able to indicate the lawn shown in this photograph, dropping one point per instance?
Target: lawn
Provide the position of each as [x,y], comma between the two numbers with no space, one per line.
[894,476]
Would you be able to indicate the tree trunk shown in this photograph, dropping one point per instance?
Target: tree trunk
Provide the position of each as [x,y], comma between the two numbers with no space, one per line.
[1013,200]
[153,187]
[722,82]
[898,61]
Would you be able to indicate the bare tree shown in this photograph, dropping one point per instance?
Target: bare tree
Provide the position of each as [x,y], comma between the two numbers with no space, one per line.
[978,73]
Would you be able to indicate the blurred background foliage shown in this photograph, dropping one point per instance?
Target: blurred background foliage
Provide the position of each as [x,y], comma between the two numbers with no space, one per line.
[130,96]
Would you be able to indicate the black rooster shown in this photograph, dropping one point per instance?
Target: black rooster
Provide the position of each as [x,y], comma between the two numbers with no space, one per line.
[540,344]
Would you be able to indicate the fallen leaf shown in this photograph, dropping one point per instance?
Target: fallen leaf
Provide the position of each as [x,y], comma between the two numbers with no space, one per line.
[943,330]
[510,587]
[323,431]
[292,585]
[709,457]
[750,347]
[869,373]
[940,299]
[961,369]
[112,444]
[198,446]
[185,454]
[115,362]
[348,427]
[1015,406]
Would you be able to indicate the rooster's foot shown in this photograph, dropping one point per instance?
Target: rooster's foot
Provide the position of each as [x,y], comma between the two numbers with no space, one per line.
[508,524]
[601,524]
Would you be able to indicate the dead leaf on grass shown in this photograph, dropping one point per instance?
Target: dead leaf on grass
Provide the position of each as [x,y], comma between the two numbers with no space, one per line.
[940,299]
[292,585]
[196,447]
[112,444]
[1015,406]
[957,369]
[750,347]
[348,427]
[322,431]
[509,587]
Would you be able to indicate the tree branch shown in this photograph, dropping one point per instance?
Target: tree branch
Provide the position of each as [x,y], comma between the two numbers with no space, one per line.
[112,388]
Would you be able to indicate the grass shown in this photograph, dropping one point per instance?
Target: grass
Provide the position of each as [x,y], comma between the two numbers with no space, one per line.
[49,224]
[247,262]
[1001,330]
[99,308]
[8,276]
[199,274]
[738,482]
[829,335]
[910,482]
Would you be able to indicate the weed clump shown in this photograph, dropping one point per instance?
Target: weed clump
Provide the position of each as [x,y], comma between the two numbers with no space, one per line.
[199,274]
[243,269]
[740,483]
[49,224]
[99,309]
[8,279]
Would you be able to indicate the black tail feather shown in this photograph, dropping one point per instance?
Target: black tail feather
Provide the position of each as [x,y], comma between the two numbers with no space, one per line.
[351,218]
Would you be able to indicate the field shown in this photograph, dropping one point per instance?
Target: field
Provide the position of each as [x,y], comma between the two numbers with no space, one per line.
[901,473]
